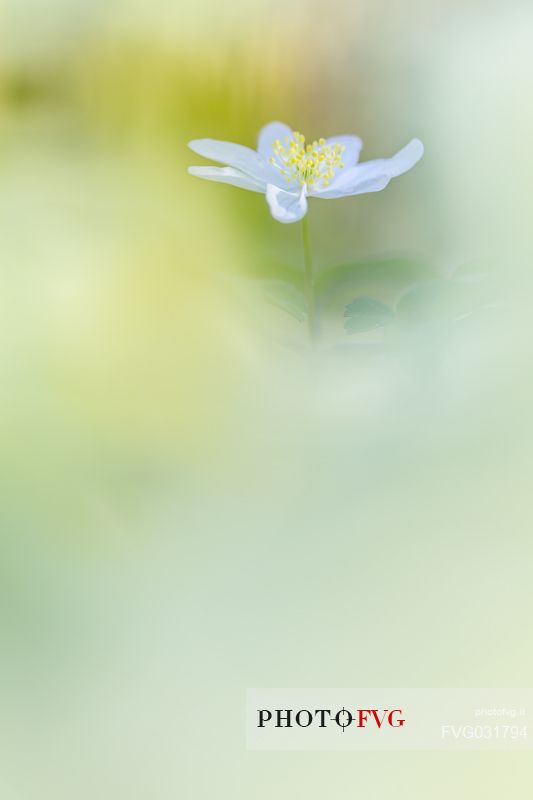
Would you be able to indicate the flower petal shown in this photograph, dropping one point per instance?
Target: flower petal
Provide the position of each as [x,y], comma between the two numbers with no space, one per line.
[228,175]
[286,206]
[355,180]
[269,134]
[352,147]
[372,176]
[234,155]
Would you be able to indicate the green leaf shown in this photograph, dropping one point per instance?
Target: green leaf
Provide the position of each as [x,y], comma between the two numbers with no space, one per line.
[287,297]
[366,314]
[425,299]
[443,299]
[389,275]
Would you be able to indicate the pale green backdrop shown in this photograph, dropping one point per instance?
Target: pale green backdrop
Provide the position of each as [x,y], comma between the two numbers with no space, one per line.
[189,505]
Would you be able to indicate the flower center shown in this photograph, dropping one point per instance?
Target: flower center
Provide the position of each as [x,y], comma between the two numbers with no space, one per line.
[312,165]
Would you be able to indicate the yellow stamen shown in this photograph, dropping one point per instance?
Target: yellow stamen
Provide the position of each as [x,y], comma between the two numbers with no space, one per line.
[313,164]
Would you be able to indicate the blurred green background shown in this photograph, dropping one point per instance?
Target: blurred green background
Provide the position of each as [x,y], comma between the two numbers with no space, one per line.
[188,507]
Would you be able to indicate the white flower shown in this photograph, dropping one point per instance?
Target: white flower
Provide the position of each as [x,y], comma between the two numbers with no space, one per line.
[288,171]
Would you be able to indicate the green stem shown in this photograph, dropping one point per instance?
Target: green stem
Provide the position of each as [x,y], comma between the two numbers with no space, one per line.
[312,314]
